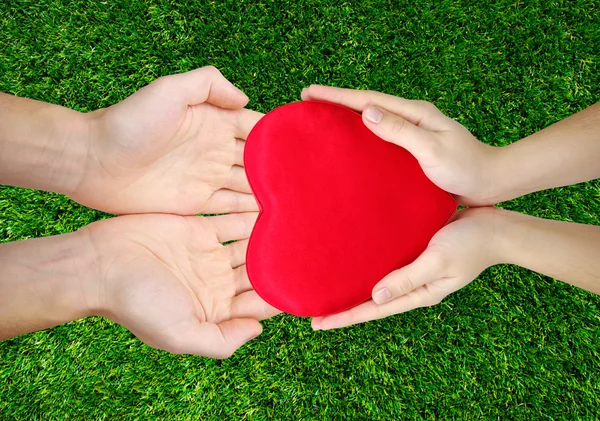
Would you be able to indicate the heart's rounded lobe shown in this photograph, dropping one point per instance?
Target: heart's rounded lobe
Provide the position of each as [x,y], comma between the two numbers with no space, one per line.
[340,208]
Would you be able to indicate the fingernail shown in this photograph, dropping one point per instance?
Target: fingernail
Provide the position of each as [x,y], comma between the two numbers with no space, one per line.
[374,114]
[382,296]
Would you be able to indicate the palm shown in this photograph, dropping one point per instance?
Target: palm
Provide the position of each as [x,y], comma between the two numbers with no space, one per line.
[170,275]
[158,151]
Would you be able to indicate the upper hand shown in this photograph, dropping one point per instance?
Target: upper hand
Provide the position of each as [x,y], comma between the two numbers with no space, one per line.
[175,146]
[169,280]
[454,257]
[448,154]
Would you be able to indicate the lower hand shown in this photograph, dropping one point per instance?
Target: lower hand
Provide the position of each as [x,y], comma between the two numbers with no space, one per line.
[169,281]
[454,257]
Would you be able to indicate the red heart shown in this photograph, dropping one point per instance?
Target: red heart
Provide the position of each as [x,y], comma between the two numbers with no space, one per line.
[340,208]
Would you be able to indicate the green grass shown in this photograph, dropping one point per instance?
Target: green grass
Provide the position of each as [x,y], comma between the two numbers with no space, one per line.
[512,345]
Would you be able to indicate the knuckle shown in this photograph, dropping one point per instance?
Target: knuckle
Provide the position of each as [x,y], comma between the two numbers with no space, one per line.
[211,71]
[405,285]
[438,258]
[435,300]
[428,106]
[162,81]
[397,125]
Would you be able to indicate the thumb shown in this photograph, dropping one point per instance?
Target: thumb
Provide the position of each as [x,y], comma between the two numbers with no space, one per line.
[428,267]
[206,84]
[217,340]
[395,129]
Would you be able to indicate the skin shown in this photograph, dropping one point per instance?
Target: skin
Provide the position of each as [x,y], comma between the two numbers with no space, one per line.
[173,147]
[479,175]
[176,147]
[166,278]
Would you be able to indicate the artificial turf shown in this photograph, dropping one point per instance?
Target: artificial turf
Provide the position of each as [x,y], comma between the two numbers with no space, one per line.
[512,345]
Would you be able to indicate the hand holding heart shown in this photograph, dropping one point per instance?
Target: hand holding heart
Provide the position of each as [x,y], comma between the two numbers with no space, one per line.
[448,154]
[454,257]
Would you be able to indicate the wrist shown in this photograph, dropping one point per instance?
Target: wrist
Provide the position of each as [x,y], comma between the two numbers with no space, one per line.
[89,184]
[511,174]
[496,176]
[43,283]
[484,227]
[507,226]
[67,268]
[42,146]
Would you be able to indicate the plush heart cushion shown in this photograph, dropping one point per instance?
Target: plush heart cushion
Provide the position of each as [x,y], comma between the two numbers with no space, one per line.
[340,208]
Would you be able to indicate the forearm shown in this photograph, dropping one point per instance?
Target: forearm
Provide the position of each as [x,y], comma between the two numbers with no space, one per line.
[565,153]
[41,283]
[42,146]
[565,251]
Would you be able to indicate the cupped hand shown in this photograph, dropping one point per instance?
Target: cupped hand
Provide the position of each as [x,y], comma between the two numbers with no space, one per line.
[449,155]
[455,256]
[170,281]
[175,146]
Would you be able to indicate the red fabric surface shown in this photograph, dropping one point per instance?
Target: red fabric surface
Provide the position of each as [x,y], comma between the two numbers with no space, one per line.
[340,208]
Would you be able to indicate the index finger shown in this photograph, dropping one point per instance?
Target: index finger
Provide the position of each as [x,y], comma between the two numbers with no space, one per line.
[419,113]
[369,310]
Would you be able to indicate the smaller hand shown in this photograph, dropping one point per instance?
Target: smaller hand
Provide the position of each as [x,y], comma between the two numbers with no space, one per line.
[175,146]
[454,257]
[448,154]
[170,282]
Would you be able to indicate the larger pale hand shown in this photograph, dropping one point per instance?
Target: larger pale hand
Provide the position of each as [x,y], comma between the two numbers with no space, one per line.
[448,154]
[175,146]
[169,280]
[454,257]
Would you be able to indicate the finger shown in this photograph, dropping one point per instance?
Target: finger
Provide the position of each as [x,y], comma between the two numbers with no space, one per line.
[250,305]
[395,129]
[236,180]
[235,226]
[206,84]
[420,113]
[241,280]
[212,340]
[239,152]
[245,122]
[237,253]
[371,311]
[225,201]
[429,266]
